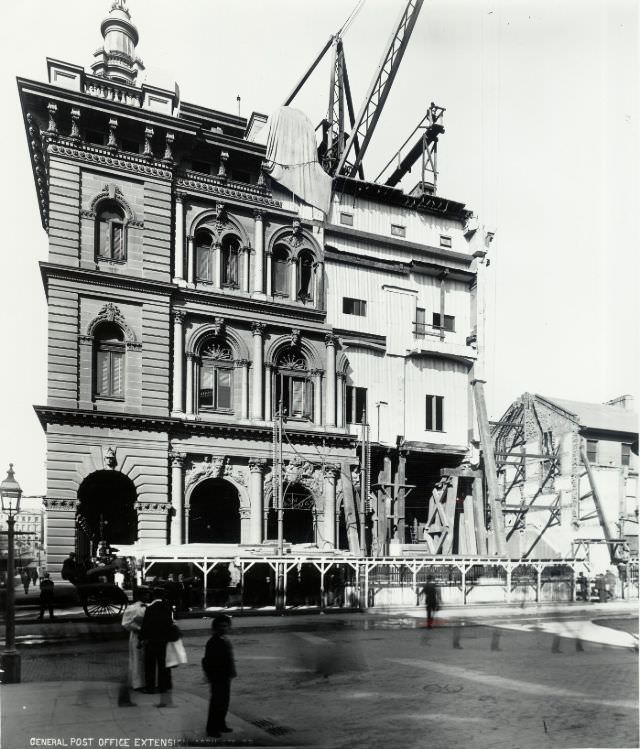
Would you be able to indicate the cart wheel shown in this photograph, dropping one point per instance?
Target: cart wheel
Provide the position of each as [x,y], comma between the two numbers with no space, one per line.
[97,604]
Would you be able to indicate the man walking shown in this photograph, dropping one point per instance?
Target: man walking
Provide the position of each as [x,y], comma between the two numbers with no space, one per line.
[46,595]
[219,666]
[431,595]
[156,631]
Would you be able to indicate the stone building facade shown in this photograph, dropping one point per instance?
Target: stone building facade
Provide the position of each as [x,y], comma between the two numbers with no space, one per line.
[189,294]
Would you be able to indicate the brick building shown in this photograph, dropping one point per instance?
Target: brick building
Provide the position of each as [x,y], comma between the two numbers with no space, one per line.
[189,293]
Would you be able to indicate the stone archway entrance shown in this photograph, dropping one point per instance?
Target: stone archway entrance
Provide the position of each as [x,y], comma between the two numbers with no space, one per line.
[106,512]
[299,518]
[214,513]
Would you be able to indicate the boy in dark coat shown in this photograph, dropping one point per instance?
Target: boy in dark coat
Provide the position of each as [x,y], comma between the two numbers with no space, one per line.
[431,599]
[46,595]
[219,666]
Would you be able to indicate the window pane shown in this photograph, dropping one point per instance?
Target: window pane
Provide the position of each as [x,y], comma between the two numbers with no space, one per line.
[102,373]
[308,399]
[349,404]
[203,271]
[592,450]
[233,266]
[117,241]
[224,388]
[439,412]
[280,276]
[117,384]
[297,397]
[304,278]
[626,455]
[429,424]
[205,396]
[361,405]
[103,238]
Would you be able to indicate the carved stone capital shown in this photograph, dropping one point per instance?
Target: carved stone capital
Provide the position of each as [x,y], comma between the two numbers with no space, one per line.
[177,459]
[257,465]
[154,507]
[240,363]
[133,346]
[258,215]
[148,135]
[330,339]
[331,471]
[85,340]
[178,316]
[168,146]
[294,337]
[181,196]
[316,372]
[75,118]
[245,513]
[258,328]
[53,110]
[219,326]
[341,376]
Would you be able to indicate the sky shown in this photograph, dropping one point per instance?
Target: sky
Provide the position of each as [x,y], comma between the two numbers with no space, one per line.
[541,142]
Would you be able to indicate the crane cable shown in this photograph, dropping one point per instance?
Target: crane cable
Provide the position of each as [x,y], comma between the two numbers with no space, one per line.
[351,18]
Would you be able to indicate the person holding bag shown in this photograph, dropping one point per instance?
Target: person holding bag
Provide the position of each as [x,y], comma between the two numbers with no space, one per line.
[219,666]
[132,619]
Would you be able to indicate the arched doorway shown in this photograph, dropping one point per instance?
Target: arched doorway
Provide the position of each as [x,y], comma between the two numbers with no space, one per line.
[106,512]
[214,513]
[299,517]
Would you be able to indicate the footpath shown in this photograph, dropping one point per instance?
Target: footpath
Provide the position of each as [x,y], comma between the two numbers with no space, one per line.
[98,714]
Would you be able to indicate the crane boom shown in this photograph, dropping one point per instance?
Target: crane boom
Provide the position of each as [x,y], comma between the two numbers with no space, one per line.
[379,89]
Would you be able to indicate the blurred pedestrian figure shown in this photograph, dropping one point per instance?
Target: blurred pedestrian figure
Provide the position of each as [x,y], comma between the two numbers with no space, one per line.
[132,621]
[495,640]
[46,595]
[34,575]
[457,633]
[26,581]
[70,569]
[583,587]
[432,599]
[219,666]
[601,585]
[611,583]
[118,578]
[555,645]
[156,631]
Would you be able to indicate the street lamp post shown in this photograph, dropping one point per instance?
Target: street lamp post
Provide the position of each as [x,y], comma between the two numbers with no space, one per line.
[10,493]
[280,511]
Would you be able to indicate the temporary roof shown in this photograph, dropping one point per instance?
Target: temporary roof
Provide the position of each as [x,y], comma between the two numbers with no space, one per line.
[600,416]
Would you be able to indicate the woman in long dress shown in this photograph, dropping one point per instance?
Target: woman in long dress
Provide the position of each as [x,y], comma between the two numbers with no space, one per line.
[132,621]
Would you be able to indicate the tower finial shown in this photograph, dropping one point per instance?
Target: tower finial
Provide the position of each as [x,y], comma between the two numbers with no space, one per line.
[117,58]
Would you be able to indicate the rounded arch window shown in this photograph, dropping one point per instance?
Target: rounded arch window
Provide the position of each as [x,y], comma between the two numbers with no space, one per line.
[280,270]
[203,241]
[293,387]
[305,276]
[229,254]
[109,361]
[215,389]
[111,231]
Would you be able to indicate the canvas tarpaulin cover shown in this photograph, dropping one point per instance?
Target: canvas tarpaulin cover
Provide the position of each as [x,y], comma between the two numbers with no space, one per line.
[292,158]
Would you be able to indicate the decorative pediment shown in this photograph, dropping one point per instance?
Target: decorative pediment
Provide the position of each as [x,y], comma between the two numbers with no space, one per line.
[211,467]
[111,313]
[111,191]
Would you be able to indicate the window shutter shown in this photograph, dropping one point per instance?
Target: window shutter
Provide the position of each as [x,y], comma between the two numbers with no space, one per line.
[117,241]
[205,396]
[439,413]
[117,373]
[103,238]
[281,276]
[224,388]
[204,264]
[102,373]
[233,266]
[297,397]
[429,424]
[308,399]
[361,405]
[349,405]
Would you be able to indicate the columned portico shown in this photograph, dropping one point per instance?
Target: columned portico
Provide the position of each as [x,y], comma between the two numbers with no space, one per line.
[177,497]
[331,475]
[257,329]
[256,494]
[178,359]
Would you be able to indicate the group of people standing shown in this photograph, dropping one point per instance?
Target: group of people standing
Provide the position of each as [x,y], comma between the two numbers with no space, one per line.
[149,621]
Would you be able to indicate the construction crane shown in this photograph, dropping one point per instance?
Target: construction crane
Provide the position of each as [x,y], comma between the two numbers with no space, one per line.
[336,147]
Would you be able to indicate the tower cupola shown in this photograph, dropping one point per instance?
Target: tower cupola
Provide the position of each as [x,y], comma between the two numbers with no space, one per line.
[117,58]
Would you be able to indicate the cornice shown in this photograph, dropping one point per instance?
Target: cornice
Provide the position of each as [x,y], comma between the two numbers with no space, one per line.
[181,428]
[100,156]
[100,278]
[200,184]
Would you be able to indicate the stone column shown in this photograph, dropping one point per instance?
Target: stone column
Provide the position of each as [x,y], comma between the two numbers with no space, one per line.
[269,278]
[245,269]
[317,395]
[179,244]
[256,493]
[178,359]
[60,533]
[319,297]
[85,380]
[340,400]
[177,497]
[293,278]
[268,397]
[331,475]
[330,341]
[243,366]
[258,270]
[191,261]
[217,269]
[257,328]
[191,377]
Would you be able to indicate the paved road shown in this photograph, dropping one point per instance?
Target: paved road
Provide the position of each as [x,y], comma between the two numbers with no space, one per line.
[501,684]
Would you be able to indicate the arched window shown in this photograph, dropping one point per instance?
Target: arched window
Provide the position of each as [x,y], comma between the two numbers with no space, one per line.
[305,276]
[280,271]
[204,256]
[229,253]
[111,232]
[293,385]
[109,361]
[216,370]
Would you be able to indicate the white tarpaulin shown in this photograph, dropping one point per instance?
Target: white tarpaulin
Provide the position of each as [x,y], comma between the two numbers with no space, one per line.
[292,158]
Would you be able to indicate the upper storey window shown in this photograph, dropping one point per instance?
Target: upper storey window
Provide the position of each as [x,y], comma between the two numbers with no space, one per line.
[216,374]
[280,271]
[111,232]
[230,251]
[204,257]
[293,387]
[109,361]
